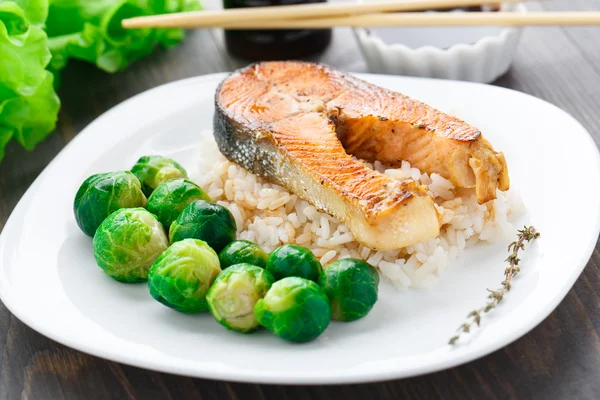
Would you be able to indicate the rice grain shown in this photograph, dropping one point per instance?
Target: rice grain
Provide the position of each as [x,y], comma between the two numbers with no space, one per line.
[270,216]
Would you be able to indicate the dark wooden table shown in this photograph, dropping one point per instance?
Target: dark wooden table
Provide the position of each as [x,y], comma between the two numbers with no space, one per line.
[559,359]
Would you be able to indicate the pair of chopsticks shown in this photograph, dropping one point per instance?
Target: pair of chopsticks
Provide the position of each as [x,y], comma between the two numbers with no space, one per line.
[370,14]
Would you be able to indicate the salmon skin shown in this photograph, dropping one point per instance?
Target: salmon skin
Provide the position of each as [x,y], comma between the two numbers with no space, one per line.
[298,125]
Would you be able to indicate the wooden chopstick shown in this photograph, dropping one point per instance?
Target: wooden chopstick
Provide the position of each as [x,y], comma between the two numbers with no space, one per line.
[431,19]
[203,19]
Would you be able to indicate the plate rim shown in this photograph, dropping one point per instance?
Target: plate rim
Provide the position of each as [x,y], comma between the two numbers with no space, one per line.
[249,376]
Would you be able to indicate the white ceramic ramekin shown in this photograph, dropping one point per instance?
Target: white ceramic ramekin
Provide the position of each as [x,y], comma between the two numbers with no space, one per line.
[476,54]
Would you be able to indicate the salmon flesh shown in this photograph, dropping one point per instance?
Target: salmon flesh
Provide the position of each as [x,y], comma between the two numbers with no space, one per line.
[299,125]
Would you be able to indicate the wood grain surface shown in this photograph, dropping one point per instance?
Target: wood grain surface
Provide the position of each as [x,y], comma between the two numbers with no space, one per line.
[559,359]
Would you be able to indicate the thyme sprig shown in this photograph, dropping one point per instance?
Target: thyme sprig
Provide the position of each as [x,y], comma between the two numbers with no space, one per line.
[527,234]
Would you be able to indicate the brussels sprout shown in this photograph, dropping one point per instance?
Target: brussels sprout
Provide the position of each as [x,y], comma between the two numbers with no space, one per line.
[233,295]
[170,198]
[205,221]
[127,243]
[182,275]
[294,309]
[243,251]
[293,260]
[101,194]
[154,170]
[351,285]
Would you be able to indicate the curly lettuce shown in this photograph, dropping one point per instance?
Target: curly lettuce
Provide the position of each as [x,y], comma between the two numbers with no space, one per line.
[38,36]
[28,103]
[91,31]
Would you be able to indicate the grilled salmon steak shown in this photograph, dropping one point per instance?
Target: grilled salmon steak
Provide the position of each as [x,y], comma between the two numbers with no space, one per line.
[298,125]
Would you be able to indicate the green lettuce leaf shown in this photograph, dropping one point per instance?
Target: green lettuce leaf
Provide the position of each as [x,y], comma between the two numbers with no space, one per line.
[39,36]
[91,31]
[28,103]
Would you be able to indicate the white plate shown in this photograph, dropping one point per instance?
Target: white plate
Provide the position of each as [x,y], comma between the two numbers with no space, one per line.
[49,280]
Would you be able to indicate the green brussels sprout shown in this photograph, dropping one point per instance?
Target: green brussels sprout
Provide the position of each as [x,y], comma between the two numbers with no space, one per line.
[205,221]
[293,260]
[101,194]
[294,309]
[243,251]
[351,286]
[182,275]
[234,293]
[170,198]
[127,243]
[154,170]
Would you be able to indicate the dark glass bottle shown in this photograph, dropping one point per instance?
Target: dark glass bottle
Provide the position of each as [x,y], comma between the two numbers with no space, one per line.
[265,45]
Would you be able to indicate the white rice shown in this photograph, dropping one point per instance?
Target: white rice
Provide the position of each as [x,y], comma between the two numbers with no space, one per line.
[271,216]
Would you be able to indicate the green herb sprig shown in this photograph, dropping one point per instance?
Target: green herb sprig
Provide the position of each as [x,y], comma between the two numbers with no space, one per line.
[527,234]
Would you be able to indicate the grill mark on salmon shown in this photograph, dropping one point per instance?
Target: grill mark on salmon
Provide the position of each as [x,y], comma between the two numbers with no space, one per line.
[298,123]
